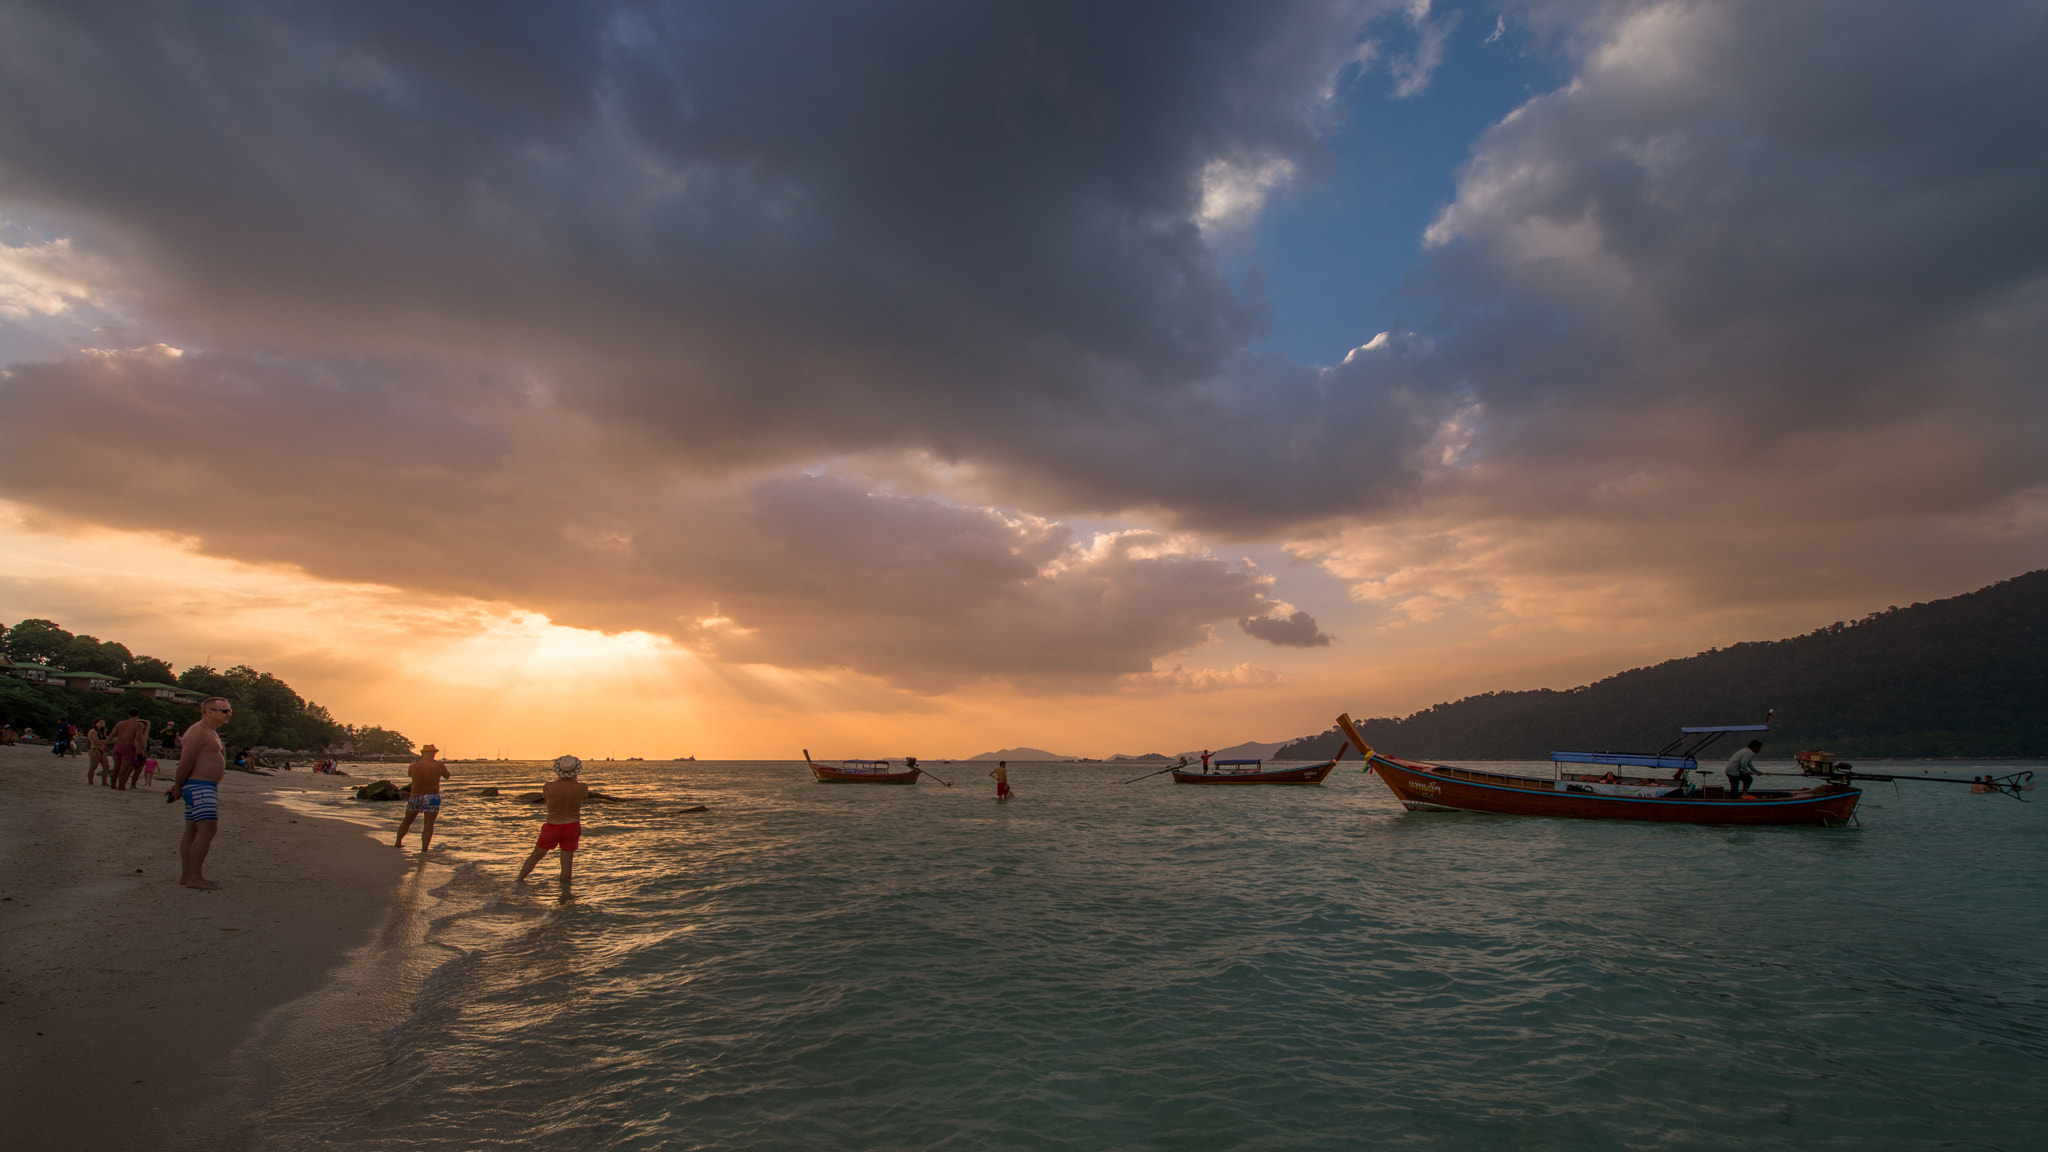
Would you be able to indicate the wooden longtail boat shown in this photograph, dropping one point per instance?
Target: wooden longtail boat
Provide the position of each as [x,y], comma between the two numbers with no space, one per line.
[862,771]
[1425,787]
[1254,772]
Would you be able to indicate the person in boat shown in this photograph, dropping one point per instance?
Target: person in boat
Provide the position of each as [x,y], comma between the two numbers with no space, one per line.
[1741,770]
[1980,785]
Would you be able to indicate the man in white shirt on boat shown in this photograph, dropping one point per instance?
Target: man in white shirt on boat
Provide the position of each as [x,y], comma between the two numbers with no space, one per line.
[1741,770]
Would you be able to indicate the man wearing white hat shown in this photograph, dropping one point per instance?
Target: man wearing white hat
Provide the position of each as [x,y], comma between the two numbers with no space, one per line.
[564,827]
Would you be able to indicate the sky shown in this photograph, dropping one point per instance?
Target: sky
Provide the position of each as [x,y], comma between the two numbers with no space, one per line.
[662,379]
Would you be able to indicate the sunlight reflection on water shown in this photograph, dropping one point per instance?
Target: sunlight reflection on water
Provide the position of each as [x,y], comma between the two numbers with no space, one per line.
[1150,966]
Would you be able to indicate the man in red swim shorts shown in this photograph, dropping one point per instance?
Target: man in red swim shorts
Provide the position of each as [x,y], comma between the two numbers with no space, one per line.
[564,828]
[1001,773]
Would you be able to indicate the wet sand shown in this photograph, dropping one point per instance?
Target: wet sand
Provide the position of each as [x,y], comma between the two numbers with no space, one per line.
[123,995]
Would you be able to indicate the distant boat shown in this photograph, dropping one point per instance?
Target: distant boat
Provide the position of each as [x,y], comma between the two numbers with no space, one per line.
[1606,795]
[1255,772]
[863,771]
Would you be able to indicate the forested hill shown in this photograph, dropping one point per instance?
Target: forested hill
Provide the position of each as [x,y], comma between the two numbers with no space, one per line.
[1967,676]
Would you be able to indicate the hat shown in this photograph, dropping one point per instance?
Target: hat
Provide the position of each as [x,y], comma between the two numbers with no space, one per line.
[567,765]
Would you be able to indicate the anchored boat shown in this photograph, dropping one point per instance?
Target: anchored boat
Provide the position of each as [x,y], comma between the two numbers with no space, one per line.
[867,771]
[1605,794]
[1255,772]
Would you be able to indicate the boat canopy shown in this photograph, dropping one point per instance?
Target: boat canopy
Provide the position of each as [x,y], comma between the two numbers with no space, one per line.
[1625,759]
[1682,753]
[1229,763]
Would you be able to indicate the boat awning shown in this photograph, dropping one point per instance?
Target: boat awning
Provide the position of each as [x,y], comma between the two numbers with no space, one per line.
[1727,728]
[1625,760]
[1224,763]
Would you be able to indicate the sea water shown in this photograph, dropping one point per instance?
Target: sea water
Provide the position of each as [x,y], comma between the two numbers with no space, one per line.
[1102,965]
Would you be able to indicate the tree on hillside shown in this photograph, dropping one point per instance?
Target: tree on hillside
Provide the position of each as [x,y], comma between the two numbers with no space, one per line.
[91,654]
[1966,676]
[149,670]
[267,711]
[36,640]
[374,741]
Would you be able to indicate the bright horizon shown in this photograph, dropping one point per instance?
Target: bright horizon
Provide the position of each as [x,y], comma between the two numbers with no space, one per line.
[1106,383]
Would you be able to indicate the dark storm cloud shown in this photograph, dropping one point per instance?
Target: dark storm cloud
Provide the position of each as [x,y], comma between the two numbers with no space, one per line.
[600,276]
[1753,310]
[1296,631]
[767,230]
[411,476]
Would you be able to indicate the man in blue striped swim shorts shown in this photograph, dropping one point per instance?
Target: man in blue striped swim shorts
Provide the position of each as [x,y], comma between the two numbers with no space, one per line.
[202,763]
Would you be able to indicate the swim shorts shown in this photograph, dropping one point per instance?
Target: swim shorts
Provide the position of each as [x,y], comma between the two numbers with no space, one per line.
[1002,789]
[202,800]
[124,751]
[431,802]
[563,836]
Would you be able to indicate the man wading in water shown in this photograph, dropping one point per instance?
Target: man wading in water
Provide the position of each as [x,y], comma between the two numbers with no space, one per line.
[427,774]
[1001,773]
[201,765]
[564,828]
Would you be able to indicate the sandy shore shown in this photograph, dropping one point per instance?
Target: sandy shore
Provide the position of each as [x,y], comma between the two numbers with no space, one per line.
[122,994]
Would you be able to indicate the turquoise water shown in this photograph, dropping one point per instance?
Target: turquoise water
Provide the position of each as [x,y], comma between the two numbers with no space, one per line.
[1151,966]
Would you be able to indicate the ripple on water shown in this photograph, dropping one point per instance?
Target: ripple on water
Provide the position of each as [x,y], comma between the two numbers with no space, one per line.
[1145,966]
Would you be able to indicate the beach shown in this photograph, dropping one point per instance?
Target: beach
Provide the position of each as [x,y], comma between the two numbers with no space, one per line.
[125,994]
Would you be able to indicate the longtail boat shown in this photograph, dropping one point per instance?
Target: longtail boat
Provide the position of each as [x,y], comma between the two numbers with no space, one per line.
[1606,795]
[864,771]
[1255,772]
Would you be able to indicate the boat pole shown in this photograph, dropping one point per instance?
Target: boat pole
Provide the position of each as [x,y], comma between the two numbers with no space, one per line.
[1149,775]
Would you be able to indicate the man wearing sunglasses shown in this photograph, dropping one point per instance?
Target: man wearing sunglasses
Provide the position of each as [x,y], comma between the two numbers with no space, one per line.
[202,762]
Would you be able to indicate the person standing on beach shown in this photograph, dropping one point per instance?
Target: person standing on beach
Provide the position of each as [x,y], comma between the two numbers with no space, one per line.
[96,753]
[1001,774]
[131,745]
[564,826]
[202,764]
[427,774]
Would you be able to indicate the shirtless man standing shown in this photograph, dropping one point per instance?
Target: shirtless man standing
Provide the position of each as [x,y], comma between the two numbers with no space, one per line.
[201,764]
[1001,774]
[130,739]
[427,774]
[564,827]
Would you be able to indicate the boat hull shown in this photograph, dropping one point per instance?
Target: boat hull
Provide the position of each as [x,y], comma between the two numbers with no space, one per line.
[831,776]
[1308,774]
[1438,788]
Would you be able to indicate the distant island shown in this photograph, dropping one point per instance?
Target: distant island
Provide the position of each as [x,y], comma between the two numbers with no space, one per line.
[1249,750]
[1027,755]
[1961,677]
